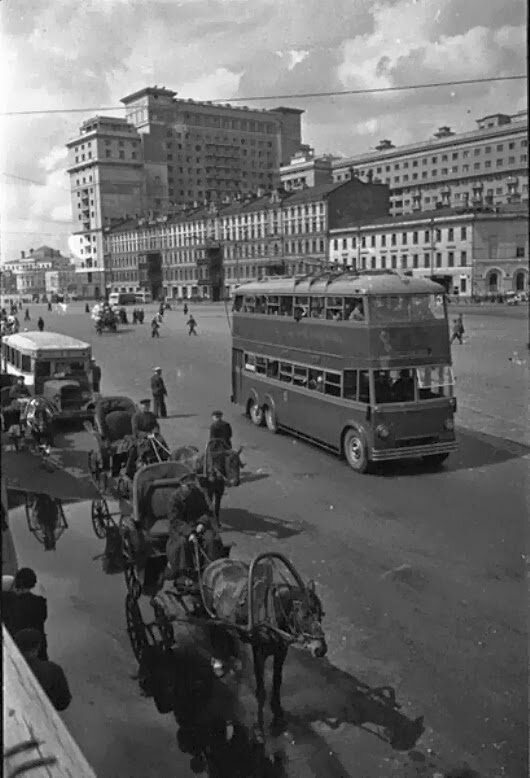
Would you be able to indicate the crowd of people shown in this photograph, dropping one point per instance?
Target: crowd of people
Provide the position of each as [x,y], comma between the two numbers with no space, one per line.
[24,615]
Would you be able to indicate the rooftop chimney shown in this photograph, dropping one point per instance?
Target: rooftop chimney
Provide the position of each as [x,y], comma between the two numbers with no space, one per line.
[443,132]
[22,255]
[385,144]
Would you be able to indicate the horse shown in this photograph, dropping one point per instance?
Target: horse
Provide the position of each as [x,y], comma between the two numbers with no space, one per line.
[218,467]
[285,614]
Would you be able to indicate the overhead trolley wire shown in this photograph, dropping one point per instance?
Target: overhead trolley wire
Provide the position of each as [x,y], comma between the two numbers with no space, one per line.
[295,96]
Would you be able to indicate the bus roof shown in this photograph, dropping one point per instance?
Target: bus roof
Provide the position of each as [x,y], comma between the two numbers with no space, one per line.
[51,341]
[342,285]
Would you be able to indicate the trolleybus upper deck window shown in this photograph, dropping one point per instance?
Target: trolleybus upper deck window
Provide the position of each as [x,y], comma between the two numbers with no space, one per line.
[397,308]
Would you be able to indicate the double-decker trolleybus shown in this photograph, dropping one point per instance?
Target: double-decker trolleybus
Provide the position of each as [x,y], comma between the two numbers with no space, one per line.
[359,363]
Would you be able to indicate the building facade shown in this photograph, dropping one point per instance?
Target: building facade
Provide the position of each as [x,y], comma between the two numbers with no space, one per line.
[441,169]
[206,252]
[474,252]
[304,169]
[29,271]
[169,152]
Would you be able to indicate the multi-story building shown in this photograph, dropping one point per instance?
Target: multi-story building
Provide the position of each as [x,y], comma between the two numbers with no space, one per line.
[30,271]
[304,169]
[169,152]
[8,282]
[205,252]
[61,281]
[473,251]
[443,168]
[107,181]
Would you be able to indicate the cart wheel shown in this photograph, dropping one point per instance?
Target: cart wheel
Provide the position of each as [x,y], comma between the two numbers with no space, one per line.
[135,627]
[101,518]
[164,626]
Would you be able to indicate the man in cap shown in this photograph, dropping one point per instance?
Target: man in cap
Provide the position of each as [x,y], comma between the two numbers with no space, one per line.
[159,391]
[50,676]
[220,429]
[143,423]
[19,389]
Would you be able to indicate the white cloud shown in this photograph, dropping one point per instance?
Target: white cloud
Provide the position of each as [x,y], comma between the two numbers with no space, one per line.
[54,158]
[222,83]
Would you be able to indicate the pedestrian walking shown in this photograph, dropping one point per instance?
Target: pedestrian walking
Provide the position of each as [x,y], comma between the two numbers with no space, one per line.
[155,326]
[49,675]
[185,309]
[161,310]
[134,316]
[141,315]
[87,308]
[191,324]
[96,375]
[458,330]
[27,317]
[40,323]
[30,610]
[159,392]
[49,305]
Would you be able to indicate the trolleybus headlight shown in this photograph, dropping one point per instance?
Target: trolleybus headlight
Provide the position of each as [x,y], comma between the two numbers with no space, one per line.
[382,431]
[449,424]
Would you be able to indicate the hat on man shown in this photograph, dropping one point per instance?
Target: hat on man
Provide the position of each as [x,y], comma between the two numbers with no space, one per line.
[217,413]
[147,401]
[28,639]
[157,370]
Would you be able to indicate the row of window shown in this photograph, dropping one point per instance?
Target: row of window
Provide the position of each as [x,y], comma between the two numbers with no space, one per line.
[389,386]
[455,155]
[417,237]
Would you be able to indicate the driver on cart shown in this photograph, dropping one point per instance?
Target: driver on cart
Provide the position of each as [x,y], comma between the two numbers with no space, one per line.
[19,390]
[143,423]
[190,517]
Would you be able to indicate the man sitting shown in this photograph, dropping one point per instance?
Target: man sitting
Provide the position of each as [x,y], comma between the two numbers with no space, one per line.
[220,429]
[143,423]
[189,513]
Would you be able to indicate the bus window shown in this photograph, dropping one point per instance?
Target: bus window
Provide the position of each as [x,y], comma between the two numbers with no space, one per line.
[273,305]
[25,363]
[316,380]
[435,381]
[390,308]
[300,376]
[286,306]
[317,309]
[335,308]
[383,386]
[332,384]
[354,309]
[261,305]
[250,362]
[349,385]
[42,368]
[261,365]
[403,386]
[238,303]
[272,368]
[286,372]
[250,304]
[364,386]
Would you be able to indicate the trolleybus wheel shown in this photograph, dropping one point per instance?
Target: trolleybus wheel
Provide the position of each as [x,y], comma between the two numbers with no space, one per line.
[356,451]
[270,419]
[435,460]
[135,626]
[101,517]
[256,413]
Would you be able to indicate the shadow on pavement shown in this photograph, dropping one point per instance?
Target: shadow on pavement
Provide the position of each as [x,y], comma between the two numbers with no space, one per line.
[207,712]
[475,449]
[249,478]
[316,691]
[181,416]
[241,520]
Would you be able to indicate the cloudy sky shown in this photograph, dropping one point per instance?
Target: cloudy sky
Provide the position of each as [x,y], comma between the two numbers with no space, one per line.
[63,54]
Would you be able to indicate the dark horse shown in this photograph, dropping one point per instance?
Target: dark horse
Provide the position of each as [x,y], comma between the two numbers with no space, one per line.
[281,615]
[217,468]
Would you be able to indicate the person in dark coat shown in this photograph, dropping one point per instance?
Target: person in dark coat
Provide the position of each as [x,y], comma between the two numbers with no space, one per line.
[19,390]
[96,375]
[27,317]
[458,329]
[143,423]
[40,323]
[87,308]
[155,326]
[185,309]
[191,324]
[31,610]
[159,392]
[50,676]
[220,429]
[49,305]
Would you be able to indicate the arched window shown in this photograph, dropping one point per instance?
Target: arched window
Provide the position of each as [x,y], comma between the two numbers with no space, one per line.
[519,281]
[493,281]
